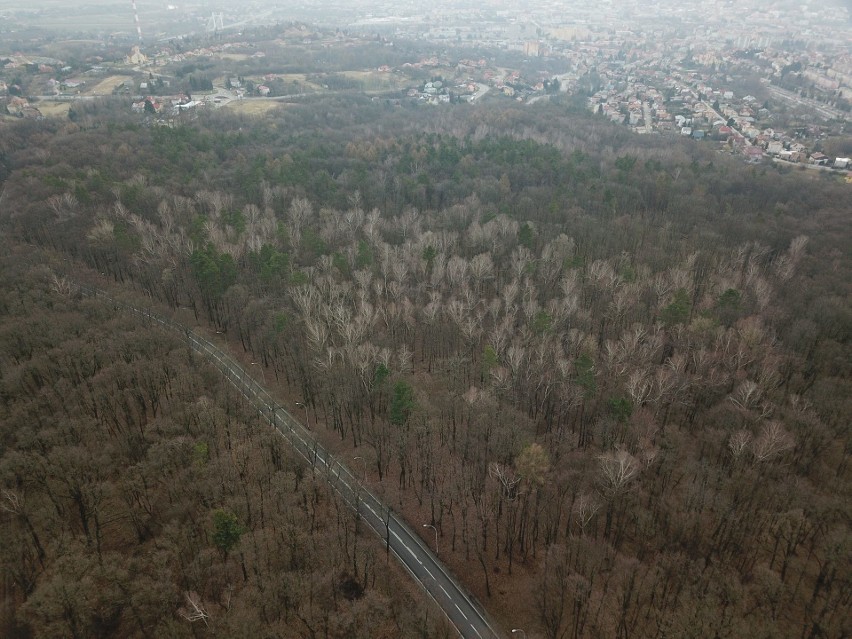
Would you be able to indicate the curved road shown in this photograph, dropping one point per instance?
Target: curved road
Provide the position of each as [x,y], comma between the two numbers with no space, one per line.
[469,619]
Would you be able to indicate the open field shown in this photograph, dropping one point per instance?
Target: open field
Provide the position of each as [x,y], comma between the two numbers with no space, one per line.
[293,77]
[54,109]
[299,78]
[253,107]
[373,80]
[107,85]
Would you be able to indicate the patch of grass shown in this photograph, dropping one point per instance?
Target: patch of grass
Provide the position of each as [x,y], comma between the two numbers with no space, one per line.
[54,109]
[253,107]
[108,85]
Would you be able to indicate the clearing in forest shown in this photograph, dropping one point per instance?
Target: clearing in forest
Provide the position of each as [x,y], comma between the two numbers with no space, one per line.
[253,106]
[108,85]
[53,109]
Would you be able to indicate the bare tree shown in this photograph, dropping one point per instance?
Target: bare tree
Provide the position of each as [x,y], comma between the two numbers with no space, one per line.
[61,285]
[65,206]
[552,591]
[618,469]
[195,610]
[507,478]
[481,268]
[772,441]
[738,443]
[585,508]
[747,395]
[639,387]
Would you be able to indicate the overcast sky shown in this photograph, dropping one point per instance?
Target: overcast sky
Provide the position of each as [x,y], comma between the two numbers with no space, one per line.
[520,4]
[403,7]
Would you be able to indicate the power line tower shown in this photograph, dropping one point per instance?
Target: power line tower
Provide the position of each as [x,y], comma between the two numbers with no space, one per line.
[215,23]
[136,21]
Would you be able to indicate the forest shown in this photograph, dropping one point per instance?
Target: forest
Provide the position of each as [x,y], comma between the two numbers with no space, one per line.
[612,372]
[143,498]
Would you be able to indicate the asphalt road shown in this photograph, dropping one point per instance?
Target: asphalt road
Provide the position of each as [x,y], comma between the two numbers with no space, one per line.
[468,618]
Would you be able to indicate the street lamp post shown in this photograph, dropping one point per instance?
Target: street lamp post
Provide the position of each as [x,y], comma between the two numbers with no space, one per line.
[363,461]
[261,370]
[436,535]
[518,630]
[307,419]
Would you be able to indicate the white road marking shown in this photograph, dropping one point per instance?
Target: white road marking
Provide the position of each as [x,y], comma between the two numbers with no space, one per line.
[404,546]
[311,453]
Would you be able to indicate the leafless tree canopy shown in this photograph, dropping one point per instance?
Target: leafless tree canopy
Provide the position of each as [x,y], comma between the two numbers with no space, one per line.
[620,397]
